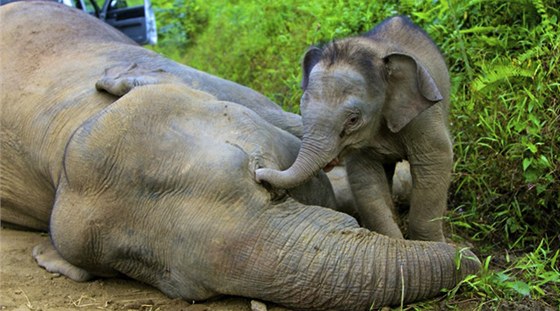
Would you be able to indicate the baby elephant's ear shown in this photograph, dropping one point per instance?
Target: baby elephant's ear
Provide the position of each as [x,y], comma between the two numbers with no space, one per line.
[411,90]
[120,79]
[311,58]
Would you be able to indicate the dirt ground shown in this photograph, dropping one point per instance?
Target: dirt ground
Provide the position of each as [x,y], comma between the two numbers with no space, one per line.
[26,286]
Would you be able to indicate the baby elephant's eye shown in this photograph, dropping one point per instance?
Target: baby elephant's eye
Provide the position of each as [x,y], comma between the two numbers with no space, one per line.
[352,120]
[351,124]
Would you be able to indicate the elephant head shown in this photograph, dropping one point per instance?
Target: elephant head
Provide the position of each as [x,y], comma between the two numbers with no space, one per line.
[355,90]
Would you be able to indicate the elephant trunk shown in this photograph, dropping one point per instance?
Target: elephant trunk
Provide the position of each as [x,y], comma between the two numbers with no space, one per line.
[379,271]
[312,157]
[321,260]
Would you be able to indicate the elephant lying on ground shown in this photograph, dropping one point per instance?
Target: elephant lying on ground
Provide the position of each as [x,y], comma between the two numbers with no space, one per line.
[159,184]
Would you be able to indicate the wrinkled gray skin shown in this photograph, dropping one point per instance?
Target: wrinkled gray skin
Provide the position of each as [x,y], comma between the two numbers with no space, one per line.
[377,99]
[159,184]
[345,202]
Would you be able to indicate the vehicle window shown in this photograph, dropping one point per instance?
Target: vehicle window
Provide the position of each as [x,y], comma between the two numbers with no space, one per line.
[99,3]
[135,18]
[121,4]
[90,8]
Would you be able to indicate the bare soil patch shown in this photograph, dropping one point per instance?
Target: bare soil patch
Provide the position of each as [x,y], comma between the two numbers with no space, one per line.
[26,286]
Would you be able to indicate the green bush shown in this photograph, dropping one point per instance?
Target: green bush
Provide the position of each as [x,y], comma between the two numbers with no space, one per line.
[505,119]
[503,57]
[178,24]
[259,43]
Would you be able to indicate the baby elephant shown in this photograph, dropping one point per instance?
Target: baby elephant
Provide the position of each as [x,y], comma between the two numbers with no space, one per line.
[377,99]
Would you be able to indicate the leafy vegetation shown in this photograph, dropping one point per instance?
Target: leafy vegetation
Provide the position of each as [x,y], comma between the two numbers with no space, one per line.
[503,57]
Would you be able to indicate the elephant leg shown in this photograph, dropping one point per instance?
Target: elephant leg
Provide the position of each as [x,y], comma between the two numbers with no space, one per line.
[372,194]
[431,175]
[48,257]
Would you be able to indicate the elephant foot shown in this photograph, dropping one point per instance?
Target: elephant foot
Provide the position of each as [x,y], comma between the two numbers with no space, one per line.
[47,257]
[421,234]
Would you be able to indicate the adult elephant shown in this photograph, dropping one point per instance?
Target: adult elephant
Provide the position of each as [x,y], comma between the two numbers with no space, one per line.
[159,184]
[377,99]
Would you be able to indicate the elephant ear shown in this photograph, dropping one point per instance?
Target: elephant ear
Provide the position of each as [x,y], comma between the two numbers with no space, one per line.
[120,79]
[311,58]
[411,90]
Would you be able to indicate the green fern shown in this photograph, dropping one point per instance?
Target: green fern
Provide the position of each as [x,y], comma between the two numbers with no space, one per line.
[495,73]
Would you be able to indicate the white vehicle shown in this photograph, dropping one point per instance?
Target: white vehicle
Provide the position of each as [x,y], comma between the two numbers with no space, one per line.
[135,18]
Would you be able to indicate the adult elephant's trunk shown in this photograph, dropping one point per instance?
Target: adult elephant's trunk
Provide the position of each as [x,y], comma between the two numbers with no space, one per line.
[313,156]
[317,259]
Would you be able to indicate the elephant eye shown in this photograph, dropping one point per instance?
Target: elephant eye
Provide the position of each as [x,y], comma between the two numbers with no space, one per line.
[352,120]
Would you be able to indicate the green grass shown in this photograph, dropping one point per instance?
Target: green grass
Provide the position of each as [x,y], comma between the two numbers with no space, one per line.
[532,280]
[503,57]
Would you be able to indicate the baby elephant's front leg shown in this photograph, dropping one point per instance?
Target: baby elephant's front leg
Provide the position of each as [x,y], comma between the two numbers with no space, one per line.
[431,176]
[371,191]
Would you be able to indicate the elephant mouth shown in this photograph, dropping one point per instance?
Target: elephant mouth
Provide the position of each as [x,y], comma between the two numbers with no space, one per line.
[334,162]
